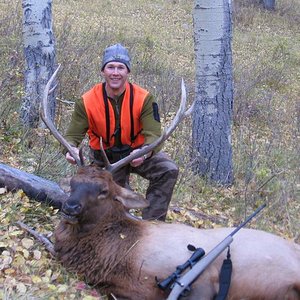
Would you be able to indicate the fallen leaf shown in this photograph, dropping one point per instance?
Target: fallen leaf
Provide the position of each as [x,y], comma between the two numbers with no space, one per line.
[3,191]
[61,288]
[36,279]
[9,271]
[16,232]
[48,273]
[5,253]
[25,253]
[19,260]
[21,288]
[3,245]
[80,285]
[37,254]
[52,287]
[27,243]
[5,262]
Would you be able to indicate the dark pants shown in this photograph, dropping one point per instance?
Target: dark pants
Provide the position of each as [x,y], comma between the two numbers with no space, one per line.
[162,174]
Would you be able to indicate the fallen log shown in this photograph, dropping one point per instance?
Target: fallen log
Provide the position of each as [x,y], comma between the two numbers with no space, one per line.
[34,187]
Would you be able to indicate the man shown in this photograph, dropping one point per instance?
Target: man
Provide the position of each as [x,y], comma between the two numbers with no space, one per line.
[126,117]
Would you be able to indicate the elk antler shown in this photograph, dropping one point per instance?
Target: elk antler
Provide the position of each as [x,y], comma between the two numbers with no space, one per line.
[47,120]
[180,115]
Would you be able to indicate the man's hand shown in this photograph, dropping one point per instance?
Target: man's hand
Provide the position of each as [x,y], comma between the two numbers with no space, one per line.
[70,158]
[138,161]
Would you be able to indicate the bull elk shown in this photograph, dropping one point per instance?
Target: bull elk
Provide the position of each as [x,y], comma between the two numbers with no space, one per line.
[120,254]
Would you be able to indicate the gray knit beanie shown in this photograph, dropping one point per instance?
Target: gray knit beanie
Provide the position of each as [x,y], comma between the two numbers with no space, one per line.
[116,53]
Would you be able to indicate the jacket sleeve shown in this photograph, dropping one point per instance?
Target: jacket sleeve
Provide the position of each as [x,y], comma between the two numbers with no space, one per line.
[78,125]
[150,121]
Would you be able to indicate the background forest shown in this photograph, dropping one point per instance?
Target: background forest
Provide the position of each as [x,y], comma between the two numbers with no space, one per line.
[159,34]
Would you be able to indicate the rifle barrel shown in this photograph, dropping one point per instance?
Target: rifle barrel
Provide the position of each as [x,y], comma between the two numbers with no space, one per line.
[248,219]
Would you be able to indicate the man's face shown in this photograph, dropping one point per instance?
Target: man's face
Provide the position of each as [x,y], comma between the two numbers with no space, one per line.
[115,75]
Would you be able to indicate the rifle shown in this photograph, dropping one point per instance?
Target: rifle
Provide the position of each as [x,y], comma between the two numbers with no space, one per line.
[183,284]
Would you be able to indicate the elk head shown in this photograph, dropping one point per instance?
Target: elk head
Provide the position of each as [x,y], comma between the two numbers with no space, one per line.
[93,191]
[94,195]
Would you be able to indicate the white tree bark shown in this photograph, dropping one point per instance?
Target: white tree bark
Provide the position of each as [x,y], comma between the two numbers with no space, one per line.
[214,90]
[40,58]
[269,4]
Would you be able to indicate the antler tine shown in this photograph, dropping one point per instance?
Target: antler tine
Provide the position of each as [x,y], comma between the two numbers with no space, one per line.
[47,120]
[104,156]
[180,115]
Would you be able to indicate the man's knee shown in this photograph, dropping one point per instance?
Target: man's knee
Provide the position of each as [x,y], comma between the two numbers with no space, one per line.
[171,170]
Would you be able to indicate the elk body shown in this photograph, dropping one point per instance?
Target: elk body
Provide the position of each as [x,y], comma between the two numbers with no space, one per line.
[122,255]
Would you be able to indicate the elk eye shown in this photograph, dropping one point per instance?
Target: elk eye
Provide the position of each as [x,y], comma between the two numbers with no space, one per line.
[103,193]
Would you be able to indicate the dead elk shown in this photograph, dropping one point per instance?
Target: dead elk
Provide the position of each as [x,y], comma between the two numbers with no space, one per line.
[122,255]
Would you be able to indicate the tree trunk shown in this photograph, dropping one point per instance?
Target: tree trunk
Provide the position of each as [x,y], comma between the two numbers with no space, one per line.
[39,54]
[269,4]
[212,116]
[34,187]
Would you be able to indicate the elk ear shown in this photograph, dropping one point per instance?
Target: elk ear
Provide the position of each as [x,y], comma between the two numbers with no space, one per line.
[131,199]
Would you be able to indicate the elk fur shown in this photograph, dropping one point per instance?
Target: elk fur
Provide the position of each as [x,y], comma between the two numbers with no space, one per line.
[119,254]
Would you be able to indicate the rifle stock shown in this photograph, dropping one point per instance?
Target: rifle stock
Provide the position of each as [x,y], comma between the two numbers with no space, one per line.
[189,277]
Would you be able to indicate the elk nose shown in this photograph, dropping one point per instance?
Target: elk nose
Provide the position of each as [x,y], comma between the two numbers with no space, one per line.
[72,207]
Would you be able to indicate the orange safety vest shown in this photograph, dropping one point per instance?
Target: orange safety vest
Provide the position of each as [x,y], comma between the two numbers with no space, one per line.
[101,117]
